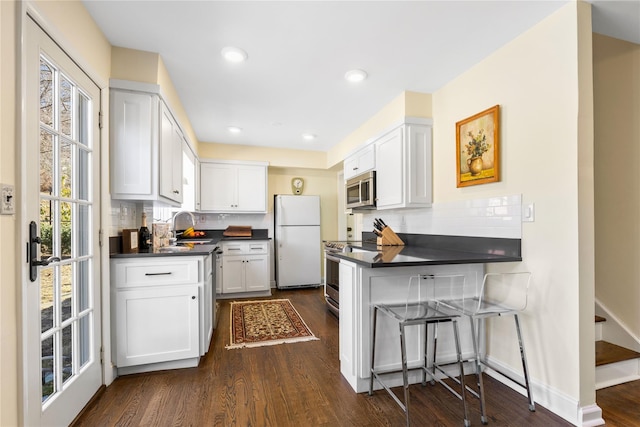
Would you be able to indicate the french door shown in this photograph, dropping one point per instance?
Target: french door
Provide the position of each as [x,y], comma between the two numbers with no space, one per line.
[61,292]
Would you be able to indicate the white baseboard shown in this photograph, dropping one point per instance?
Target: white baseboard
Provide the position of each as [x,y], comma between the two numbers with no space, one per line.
[590,416]
[553,400]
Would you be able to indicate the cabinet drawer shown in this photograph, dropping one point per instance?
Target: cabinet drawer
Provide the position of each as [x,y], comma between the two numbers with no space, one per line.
[257,248]
[167,272]
[245,248]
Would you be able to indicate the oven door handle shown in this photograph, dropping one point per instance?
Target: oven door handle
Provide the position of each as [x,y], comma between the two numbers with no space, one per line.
[331,258]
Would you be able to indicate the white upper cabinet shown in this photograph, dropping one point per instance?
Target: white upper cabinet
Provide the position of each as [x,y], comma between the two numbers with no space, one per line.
[359,162]
[134,156]
[227,186]
[403,167]
[146,149]
[171,148]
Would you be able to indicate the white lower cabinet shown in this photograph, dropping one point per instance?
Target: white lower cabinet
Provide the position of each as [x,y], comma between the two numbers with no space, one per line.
[245,266]
[157,325]
[162,312]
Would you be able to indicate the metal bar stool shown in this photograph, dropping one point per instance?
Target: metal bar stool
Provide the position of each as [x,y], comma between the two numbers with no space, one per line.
[416,313]
[501,294]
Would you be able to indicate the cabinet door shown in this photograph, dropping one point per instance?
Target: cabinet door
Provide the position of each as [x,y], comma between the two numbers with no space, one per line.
[157,324]
[133,116]
[207,318]
[218,187]
[360,162]
[350,167]
[390,170]
[252,192]
[256,273]
[348,319]
[419,170]
[170,156]
[233,279]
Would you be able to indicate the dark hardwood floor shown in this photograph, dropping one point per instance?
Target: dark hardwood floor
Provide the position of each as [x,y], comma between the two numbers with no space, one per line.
[290,385]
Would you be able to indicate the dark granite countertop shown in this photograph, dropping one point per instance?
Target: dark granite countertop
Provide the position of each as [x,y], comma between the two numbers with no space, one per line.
[214,237]
[434,250]
[196,250]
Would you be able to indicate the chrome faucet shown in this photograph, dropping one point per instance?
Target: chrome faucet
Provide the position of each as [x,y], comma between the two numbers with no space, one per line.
[173,221]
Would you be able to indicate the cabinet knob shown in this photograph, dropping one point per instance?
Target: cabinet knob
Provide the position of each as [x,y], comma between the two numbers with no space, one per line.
[193,297]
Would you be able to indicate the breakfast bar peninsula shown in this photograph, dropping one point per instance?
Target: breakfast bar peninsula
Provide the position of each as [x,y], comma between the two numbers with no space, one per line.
[373,274]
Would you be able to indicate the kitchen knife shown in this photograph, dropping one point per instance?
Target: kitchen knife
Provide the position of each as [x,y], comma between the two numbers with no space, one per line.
[377,233]
[382,222]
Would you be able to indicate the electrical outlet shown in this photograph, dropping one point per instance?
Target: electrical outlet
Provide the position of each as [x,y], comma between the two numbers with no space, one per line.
[8,202]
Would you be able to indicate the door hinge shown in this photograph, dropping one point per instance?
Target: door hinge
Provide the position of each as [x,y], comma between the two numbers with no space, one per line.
[100,120]
[100,237]
[101,355]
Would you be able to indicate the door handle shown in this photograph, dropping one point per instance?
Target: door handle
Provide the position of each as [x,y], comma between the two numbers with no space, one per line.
[34,262]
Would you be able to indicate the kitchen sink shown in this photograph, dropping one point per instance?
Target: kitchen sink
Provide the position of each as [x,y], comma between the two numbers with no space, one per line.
[175,249]
[194,241]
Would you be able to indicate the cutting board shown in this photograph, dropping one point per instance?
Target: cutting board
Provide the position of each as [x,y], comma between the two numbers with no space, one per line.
[237,231]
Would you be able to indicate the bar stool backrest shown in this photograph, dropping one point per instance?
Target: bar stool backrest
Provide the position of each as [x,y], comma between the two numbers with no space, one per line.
[503,292]
[426,288]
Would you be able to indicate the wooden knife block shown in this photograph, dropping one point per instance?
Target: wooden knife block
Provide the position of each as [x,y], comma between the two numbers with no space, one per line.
[389,238]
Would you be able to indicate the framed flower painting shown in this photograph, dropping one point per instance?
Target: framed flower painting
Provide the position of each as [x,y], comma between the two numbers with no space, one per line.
[477,148]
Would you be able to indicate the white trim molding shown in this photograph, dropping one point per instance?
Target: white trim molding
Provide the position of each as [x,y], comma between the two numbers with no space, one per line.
[555,401]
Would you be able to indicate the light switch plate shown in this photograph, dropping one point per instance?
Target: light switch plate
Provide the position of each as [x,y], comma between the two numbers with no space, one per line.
[528,212]
[8,201]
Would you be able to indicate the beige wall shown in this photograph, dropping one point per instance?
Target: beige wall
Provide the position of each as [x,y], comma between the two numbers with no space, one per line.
[70,24]
[279,157]
[9,286]
[617,185]
[534,79]
[134,65]
[148,67]
[283,165]
[317,182]
[407,104]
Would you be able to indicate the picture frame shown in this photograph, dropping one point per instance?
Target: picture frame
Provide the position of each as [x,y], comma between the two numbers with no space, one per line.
[478,148]
[129,241]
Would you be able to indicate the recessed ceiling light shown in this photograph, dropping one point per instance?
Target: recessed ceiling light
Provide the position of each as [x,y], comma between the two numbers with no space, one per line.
[308,136]
[355,76]
[234,54]
[234,129]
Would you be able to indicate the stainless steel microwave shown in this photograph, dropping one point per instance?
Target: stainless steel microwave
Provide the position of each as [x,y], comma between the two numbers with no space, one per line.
[361,191]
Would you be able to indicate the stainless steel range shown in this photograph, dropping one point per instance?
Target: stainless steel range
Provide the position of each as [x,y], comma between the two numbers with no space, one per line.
[332,275]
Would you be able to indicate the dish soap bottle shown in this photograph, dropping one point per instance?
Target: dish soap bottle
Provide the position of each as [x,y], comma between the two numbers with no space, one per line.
[145,236]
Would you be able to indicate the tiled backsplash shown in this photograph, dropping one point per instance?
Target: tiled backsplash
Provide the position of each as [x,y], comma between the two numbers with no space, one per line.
[124,215]
[491,217]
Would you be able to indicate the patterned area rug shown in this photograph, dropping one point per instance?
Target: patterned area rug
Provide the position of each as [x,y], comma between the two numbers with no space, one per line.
[266,322]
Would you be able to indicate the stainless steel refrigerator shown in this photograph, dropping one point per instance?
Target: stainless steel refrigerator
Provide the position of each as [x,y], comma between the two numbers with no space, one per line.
[297,241]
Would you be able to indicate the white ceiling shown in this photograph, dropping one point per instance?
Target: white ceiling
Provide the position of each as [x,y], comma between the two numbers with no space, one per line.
[299,51]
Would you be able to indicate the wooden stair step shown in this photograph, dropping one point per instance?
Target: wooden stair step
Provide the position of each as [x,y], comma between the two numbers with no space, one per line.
[607,352]
[600,319]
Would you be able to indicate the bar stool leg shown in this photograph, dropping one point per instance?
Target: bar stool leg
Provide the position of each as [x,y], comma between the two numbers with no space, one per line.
[435,350]
[405,376]
[425,362]
[525,369]
[463,393]
[476,350]
[373,350]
